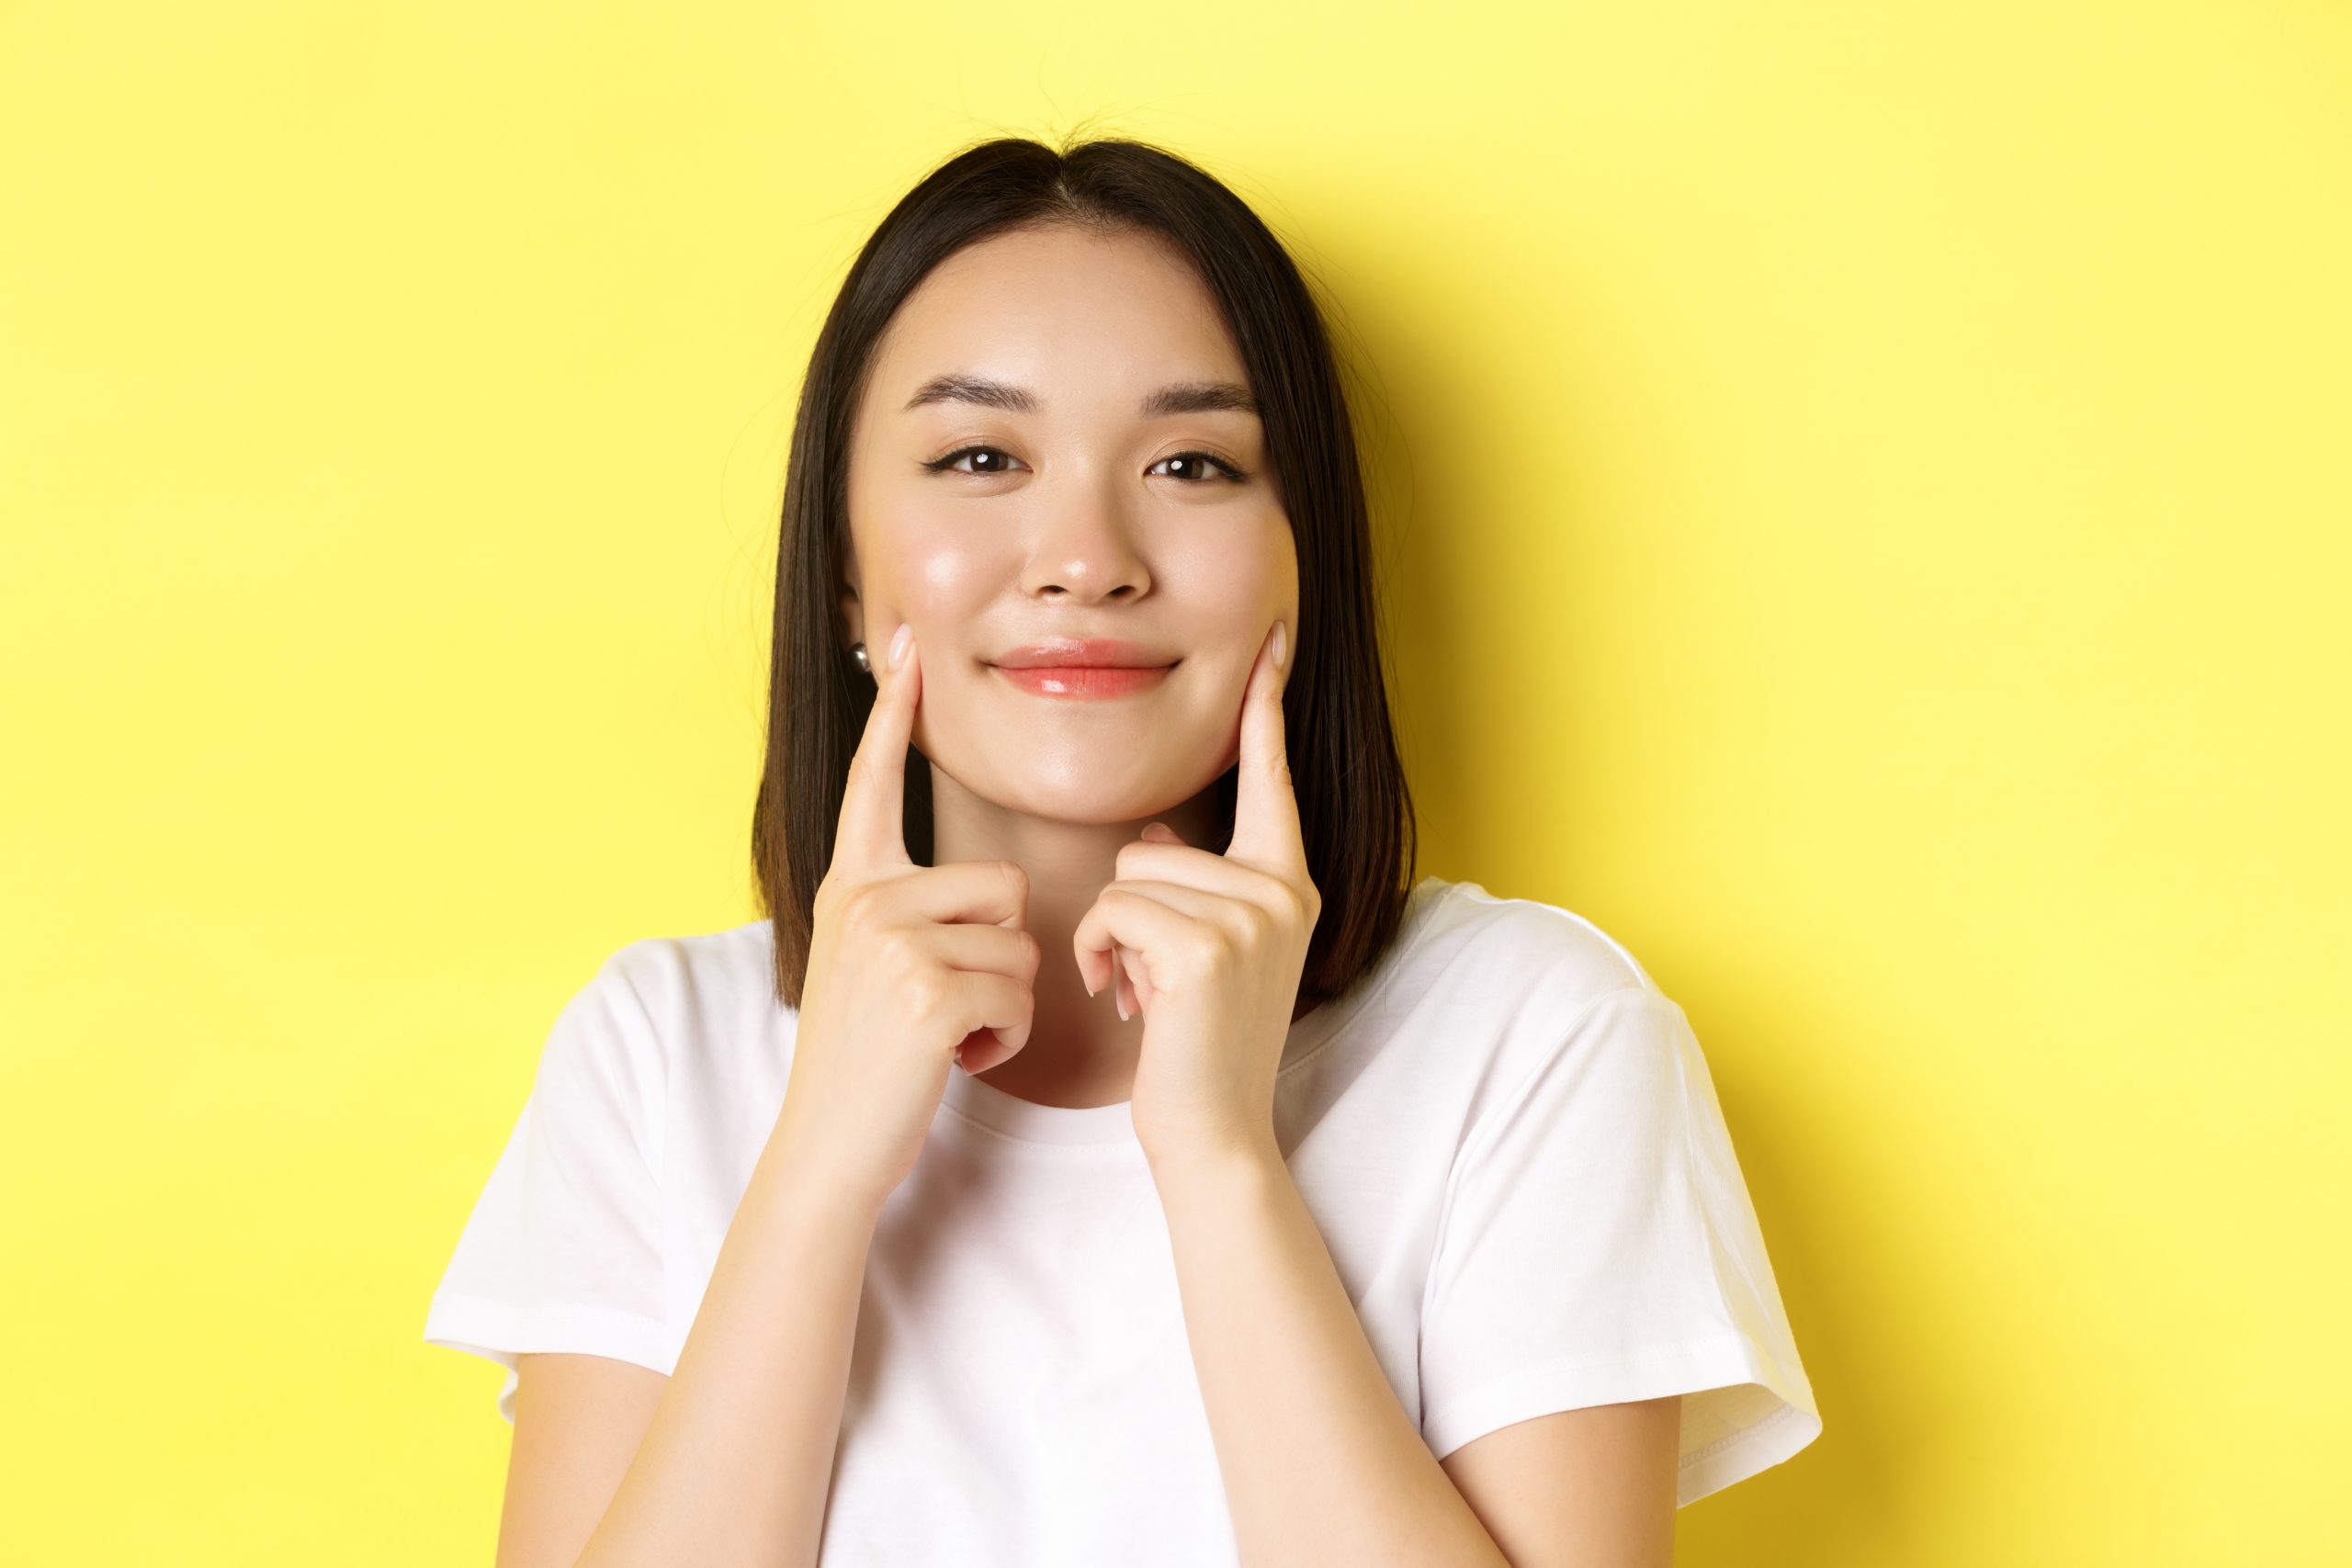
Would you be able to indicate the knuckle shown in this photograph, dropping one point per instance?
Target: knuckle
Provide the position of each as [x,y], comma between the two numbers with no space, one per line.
[859,907]
[1016,878]
[925,993]
[896,949]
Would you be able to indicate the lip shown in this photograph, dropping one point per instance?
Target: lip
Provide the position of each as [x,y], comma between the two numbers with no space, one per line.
[1084,653]
[1084,680]
[1084,667]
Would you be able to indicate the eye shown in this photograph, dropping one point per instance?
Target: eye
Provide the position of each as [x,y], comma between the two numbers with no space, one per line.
[1197,460]
[947,464]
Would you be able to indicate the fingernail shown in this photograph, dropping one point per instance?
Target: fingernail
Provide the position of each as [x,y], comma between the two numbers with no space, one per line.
[1282,643]
[899,641]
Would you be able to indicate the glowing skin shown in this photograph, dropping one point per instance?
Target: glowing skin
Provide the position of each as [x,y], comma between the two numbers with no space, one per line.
[1074,523]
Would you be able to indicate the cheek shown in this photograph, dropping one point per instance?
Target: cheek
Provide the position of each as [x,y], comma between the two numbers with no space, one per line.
[937,575]
[1241,586]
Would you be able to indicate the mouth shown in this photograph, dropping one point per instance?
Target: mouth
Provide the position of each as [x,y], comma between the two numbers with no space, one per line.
[1084,667]
[1084,680]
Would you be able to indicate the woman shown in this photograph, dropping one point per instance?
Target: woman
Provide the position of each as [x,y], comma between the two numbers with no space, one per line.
[1364,1220]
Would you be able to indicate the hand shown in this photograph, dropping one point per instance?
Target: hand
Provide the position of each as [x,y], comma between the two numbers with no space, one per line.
[1212,946]
[908,965]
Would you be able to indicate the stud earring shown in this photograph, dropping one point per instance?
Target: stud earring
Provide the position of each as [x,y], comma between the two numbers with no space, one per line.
[857,651]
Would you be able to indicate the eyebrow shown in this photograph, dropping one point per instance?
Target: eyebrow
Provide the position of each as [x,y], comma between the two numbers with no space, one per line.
[1178,396]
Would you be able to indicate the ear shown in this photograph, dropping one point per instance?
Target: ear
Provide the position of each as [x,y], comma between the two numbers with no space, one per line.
[853,617]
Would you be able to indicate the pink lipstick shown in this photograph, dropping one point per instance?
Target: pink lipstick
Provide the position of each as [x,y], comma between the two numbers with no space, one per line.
[1092,667]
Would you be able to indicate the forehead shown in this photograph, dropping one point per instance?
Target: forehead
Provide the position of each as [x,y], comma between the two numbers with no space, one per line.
[1109,313]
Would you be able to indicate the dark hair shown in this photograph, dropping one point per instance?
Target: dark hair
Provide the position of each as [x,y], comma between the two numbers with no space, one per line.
[1355,813]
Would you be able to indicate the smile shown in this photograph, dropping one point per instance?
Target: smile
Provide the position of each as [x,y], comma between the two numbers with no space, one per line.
[1085,681]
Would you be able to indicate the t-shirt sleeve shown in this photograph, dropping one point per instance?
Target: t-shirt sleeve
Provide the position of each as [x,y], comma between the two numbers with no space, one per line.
[563,1248]
[1598,1245]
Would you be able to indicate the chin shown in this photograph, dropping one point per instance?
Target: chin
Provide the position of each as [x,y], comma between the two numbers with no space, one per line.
[1092,801]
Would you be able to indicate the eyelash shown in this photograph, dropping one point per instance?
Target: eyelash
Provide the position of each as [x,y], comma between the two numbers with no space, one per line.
[947,464]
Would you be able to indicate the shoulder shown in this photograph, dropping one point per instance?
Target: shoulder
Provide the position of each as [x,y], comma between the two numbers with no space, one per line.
[662,1006]
[666,1034]
[675,974]
[1521,948]
[1516,987]
[690,985]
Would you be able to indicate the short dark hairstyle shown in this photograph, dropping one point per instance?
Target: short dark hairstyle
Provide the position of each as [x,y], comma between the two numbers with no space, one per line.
[1355,813]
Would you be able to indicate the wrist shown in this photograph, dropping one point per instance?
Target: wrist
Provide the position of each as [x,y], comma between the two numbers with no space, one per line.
[813,1168]
[1224,1157]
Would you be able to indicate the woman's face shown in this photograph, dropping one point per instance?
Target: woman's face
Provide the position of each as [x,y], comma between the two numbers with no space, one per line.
[1090,514]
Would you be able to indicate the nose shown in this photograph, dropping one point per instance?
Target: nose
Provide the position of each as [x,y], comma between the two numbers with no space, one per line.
[1082,544]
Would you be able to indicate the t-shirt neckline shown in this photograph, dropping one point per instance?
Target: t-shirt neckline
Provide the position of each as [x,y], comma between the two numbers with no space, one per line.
[1026,1120]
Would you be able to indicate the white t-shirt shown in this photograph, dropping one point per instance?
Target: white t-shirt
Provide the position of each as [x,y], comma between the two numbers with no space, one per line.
[1506,1133]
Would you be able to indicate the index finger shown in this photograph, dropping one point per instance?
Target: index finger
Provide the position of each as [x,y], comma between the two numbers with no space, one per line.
[872,829]
[1265,809]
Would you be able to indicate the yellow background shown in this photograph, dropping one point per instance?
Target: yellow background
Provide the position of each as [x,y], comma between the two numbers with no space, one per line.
[1864,493]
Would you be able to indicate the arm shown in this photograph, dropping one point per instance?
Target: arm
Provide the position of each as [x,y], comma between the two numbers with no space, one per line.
[579,1417]
[1319,1461]
[737,1461]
